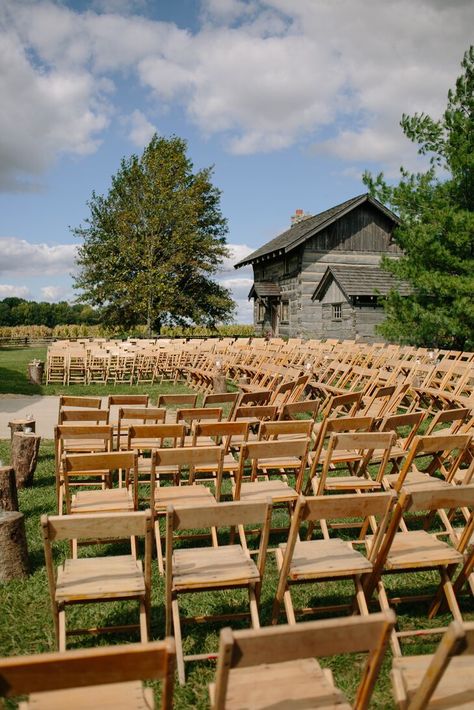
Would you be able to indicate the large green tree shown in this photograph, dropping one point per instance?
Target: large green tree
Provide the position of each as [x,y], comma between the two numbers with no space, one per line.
[436,232]
[151,245]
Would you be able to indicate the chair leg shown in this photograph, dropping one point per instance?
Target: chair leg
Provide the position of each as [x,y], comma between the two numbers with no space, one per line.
[253,608]
[178,641]
[385,606]
[360,596]
[143,622]
[159,549]
[62,629]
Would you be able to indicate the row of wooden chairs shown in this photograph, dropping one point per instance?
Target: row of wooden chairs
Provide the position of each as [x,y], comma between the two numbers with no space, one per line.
[255,668]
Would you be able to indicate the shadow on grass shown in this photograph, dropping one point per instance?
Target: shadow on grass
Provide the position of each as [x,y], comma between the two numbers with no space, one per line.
[16,382]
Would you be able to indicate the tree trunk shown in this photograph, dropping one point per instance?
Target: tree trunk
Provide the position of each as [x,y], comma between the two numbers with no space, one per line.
[8,492]
[13,546]
[36,372]
[25,449]
[219,383]
[20,424]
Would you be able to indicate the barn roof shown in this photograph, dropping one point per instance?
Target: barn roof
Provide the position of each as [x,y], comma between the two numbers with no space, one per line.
[360,281]
[310,226]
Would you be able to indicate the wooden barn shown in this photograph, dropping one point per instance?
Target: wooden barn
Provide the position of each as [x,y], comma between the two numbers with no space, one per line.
[321,278]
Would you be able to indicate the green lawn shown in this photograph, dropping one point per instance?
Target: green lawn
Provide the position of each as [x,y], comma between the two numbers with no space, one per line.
[26,622]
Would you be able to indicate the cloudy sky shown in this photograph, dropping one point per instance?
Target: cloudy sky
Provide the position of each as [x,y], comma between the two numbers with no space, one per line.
[290,100]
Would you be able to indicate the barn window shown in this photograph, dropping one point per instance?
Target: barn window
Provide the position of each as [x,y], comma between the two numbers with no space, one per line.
[285,311]
[337,311]
[260,312]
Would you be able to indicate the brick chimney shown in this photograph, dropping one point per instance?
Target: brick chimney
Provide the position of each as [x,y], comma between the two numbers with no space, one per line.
[298,217]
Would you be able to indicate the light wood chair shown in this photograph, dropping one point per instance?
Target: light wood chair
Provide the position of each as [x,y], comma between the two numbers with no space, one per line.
[221,434]
[285,430]
[222,398]
[418,550]
[206,569]
[277,667]
[97,579]
[331,558]
[172,401]
[267,458]
[83,416]
[308,407]
[72,438]
[194,459]
[91,677]
[144,438]
[77,402]
[442,680]
[128,416]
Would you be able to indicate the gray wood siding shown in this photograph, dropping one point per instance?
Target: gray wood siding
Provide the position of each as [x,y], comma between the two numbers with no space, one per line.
[344,328]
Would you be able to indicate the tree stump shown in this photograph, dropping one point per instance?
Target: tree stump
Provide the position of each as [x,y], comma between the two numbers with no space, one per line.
[219,382]
[13,546]
[24,457]
[8,492]
[20,425]
[36,372]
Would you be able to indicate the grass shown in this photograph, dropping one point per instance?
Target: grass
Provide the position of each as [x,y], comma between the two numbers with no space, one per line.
[26,621]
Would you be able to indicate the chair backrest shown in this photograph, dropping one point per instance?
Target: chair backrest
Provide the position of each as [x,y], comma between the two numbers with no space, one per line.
[79,668]
[458,640]
[153,436]
[265,411]
[278,451]
[66,400]
[343,405]
[221,432]
[259,397]
[309,639]
[404,425]
[307,406]
[285,429]
[128,400]
[143,415]
[100,416]
[172,400]
[191,457]
[100,433]
[219,398]
[337,425]
[454,418]
[197,414]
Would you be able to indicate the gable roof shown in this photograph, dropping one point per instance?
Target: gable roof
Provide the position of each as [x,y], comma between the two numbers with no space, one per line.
[360,281]
[310,226]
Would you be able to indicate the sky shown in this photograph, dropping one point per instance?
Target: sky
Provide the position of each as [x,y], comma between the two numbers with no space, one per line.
[289,100]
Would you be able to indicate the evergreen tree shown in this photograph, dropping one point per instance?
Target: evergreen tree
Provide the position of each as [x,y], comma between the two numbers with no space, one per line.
[436,231]
[152,243]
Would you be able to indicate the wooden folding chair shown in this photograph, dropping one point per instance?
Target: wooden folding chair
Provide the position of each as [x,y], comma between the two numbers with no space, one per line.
[188,495]
[222,398]
[313,561]
[276,667]
[83,416]
[418,550]
[285,430]
[298,410]
[144,438]
[128,416]
[354,453]
[91,677]
[221,434]
[206,569]
[72,438]
[172,401]
[442,680]
[267,458]
[75,402]
[97,579]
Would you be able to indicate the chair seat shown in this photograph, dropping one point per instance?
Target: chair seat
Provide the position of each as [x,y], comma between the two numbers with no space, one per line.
[293,685]
[200,441]
[419,549]
[110,500]
[183,496]
[113,696]
[98,578]
[277,490]
[83,445]
[455,690]
[285,462]
[211,567]
[317,559]
[415,480]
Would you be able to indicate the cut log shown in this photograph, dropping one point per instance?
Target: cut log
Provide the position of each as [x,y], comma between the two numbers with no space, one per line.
[20,425]
[25,449]
[13,546]
[8,491]
[36,372]
[219,382]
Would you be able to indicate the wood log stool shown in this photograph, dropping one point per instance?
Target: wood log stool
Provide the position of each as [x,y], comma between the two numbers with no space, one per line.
[20,425]
[36,372]
[219,382]
[8,491]
[24,457]
[13,546]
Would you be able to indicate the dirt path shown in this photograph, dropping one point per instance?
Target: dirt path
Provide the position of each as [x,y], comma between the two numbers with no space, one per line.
[43,409]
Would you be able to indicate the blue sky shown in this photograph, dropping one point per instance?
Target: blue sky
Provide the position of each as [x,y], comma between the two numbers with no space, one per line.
[290,100]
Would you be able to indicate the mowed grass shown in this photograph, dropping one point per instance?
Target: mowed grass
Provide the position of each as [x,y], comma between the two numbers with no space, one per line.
[26,621]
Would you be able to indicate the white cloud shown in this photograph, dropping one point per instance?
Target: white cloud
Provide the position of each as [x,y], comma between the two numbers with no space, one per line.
[7,290]
[141,130]
[237,253]
[53,293]
[262,74]
[22,257]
